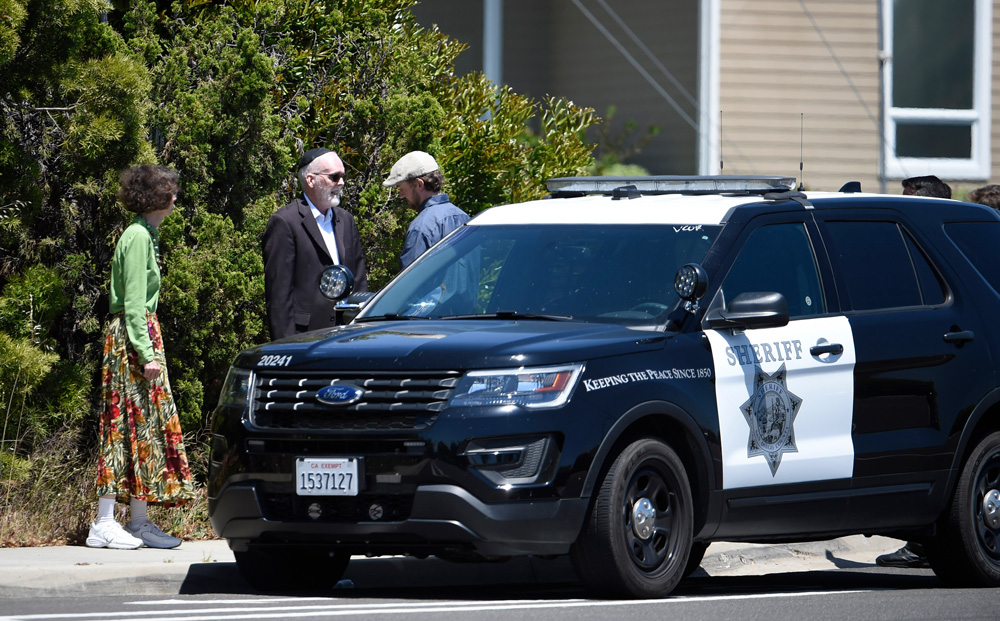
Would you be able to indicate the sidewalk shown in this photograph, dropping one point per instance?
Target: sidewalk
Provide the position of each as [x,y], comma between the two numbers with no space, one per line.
[208,567]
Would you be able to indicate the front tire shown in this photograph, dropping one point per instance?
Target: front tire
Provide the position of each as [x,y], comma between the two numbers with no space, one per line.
[279,569]
[967,552]
[638,536]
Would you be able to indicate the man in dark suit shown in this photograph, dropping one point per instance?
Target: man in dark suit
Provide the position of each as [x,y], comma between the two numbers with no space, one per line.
[304,237]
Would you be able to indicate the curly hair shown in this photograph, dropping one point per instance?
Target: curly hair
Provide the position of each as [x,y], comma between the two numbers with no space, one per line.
[988,195]
[147,188]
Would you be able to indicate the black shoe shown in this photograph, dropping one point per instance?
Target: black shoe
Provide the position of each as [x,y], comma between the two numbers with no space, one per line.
[903,557]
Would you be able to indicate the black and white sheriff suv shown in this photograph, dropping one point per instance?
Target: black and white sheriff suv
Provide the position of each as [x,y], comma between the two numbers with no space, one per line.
[630,370]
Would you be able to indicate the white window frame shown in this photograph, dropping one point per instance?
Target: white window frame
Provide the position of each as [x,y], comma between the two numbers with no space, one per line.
[709,114]
[977,167]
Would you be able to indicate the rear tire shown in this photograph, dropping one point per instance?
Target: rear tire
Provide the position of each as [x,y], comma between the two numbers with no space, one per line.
[277,569]
[967,552]
[637,538]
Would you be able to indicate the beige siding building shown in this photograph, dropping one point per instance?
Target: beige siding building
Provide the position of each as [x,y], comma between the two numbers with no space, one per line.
[752,86]
[994,176]
[782,93]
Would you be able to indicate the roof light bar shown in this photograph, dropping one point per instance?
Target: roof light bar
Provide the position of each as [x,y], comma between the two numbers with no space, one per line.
[673,184]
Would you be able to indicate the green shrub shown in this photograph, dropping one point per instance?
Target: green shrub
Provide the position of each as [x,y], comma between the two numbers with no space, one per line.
[23,368]
[30,302]
[228,94]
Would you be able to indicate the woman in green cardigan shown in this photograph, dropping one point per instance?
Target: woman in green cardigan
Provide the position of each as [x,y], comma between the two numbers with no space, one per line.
[142,458]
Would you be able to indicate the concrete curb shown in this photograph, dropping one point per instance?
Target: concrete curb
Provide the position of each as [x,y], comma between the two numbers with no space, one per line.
[209,567]
[738,559]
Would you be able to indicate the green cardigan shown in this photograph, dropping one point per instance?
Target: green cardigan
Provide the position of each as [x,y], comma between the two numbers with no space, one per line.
[135,283]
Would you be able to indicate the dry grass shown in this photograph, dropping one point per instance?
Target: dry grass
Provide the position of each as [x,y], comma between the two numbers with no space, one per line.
[50,499]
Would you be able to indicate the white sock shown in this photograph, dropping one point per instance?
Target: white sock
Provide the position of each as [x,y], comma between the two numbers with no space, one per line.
[106,509]
[138,510]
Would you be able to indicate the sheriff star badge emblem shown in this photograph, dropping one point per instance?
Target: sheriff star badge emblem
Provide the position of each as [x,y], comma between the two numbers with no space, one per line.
[770,412]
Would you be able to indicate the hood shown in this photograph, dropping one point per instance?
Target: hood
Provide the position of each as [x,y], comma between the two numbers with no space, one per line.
[453,344]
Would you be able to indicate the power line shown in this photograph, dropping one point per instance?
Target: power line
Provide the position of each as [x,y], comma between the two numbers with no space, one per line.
[642,70]
[843,71]
[656,85]
[649,54]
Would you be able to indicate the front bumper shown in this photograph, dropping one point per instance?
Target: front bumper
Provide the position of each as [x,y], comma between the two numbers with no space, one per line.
[443,518]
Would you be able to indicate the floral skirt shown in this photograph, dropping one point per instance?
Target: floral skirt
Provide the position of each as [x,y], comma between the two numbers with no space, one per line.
[142,452]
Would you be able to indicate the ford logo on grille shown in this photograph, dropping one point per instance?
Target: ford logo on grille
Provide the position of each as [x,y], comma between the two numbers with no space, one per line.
[339,394]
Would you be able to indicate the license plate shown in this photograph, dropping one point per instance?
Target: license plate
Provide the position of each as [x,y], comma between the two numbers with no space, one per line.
[326,477]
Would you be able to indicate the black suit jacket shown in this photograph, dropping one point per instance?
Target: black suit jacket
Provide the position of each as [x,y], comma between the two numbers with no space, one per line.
[294,257]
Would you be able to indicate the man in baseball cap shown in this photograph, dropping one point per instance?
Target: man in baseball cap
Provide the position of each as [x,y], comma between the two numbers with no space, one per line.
[418,178]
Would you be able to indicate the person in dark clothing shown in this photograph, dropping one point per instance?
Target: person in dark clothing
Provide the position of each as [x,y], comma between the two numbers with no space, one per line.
[912,554]
[301,239]
[928,185]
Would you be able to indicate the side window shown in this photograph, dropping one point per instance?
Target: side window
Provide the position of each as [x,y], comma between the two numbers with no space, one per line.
[979,241]
[778,257]
[931,290]
[882,266]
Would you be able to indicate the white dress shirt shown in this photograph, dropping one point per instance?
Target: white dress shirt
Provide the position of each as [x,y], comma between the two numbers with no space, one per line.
[325,222]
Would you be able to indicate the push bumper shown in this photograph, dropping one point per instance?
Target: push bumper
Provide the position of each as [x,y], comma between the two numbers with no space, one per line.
[443,517]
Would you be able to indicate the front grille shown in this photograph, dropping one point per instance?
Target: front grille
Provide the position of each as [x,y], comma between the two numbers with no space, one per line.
[390,402]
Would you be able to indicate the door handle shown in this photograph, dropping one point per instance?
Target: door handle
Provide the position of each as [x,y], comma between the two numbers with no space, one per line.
[826,348]
[962,336]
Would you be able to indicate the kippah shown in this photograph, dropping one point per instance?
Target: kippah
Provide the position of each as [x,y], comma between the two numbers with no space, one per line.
[310,155]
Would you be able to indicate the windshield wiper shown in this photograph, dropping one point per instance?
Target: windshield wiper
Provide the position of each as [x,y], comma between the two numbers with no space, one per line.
[388,317]
[511,315]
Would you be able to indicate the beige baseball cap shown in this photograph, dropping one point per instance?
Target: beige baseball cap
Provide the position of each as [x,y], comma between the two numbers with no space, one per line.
[413,164]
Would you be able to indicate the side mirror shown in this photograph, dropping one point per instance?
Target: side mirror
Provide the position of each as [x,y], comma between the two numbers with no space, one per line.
[336,282]
[751,310]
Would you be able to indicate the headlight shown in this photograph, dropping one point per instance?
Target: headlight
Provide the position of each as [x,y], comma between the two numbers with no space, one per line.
[236,390]
[542,387]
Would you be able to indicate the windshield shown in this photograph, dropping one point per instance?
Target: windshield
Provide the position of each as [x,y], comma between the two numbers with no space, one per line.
[606,273]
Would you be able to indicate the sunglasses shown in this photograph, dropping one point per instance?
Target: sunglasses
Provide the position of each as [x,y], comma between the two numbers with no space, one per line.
[334,177]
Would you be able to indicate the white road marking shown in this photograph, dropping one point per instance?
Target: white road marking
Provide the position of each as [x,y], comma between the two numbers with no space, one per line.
[336,610]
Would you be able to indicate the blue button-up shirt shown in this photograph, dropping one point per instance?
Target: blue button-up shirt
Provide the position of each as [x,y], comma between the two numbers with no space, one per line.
[436,217]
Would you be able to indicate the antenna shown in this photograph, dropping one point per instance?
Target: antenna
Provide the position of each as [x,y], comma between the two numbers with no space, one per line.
[722,143]
[802,177]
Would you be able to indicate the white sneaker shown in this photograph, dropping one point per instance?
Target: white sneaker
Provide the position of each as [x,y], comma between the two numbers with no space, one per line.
[110,534]
[149,534]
